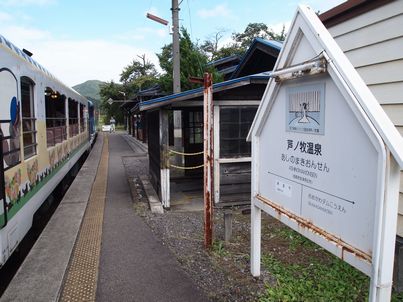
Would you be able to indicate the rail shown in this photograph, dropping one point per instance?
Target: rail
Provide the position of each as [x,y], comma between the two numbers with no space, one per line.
[29,136]
[2,182]
[11,147]
[56,131]
[9,157]
[73,127]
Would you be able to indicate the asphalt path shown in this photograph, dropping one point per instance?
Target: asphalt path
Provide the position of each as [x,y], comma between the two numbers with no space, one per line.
[134,265]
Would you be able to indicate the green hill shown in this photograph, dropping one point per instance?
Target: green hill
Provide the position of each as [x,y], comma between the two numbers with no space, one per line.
[90,89]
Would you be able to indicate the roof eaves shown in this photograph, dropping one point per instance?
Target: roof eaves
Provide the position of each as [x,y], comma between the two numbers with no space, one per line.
[277,45]
[224,60]
[230,84]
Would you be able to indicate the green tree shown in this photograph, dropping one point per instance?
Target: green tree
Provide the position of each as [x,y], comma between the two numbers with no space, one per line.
[193,63]
[114,91]
[138,75]
[241,41]
[252,31]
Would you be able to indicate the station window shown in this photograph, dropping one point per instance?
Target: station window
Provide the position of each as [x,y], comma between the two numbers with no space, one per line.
[73,117]
[194,127]
[235,123]
[28,117]
[56,130]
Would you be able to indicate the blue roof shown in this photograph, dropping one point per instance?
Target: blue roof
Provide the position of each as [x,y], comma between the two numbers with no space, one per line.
[199,91]
[270,43]
[224,60]
[228,70]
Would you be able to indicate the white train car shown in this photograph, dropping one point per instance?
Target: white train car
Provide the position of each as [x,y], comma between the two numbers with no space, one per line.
[44,131]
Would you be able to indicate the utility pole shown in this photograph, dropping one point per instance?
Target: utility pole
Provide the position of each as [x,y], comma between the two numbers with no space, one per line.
[175,47]
[177,114]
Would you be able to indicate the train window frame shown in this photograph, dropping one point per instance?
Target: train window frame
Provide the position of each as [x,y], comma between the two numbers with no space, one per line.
[81,119]
[73,118]
[56,121]
[29,131]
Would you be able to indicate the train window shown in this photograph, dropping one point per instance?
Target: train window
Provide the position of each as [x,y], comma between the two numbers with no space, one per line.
[73,117]
[28,117]
[82,124]
[55,104]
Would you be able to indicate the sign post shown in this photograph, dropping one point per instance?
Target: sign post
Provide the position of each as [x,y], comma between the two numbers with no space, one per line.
[325,157]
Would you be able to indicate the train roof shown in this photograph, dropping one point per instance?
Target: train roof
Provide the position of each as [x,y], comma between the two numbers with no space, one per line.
[22,55]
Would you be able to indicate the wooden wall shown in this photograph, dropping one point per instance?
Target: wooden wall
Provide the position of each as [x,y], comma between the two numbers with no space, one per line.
[373,42]
[154,149]
[235,182]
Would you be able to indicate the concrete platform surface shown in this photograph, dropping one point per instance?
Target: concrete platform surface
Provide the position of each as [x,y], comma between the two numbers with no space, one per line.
[41,275]
[133,266]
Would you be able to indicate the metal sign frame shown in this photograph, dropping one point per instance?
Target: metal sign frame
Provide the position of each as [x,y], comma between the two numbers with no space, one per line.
[377,261]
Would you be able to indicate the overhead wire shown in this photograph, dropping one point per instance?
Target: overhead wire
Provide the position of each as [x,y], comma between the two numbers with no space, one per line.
[149,7]
[191,36]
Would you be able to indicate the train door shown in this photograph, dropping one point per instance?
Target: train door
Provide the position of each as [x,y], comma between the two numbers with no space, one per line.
[193,132]
[10,141]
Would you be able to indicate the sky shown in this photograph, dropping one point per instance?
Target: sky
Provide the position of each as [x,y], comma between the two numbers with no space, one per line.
[80,40]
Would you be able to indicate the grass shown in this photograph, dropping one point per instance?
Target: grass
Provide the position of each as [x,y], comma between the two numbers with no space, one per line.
[294,239]
[317,280]
[335,281]
[218,249]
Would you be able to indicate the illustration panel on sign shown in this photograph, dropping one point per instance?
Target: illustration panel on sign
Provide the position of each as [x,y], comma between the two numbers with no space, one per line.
[306,109]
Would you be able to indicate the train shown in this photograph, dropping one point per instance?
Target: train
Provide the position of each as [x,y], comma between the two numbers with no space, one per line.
[45,128]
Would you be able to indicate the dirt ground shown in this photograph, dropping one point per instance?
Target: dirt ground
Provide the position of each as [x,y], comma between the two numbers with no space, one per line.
[223,272]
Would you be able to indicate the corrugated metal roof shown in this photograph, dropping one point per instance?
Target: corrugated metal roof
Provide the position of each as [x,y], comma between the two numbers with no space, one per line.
[270,43]
[166,100]
[224,60]
[228,70]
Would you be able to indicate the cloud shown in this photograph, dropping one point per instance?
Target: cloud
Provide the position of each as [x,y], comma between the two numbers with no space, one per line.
[278,27]
[26,2]
[220,10]
[143,33]
[5,17]
[153,10]
[20,35]
[225,41]
[322,6]
[76,61]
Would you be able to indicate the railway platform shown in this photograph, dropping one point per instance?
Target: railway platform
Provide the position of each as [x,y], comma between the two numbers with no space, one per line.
[95,248]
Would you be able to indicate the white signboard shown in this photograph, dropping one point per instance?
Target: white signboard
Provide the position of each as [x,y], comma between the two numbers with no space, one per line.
[320,163]
[329,179]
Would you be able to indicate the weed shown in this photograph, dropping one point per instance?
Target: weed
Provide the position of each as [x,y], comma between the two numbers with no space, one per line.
[336,281]
[396,297]
[295,239]
[219,249]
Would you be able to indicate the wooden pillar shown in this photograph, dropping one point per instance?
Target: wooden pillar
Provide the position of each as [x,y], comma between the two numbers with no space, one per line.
[144,129]
[227,224]
[129,123]
[164,158]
